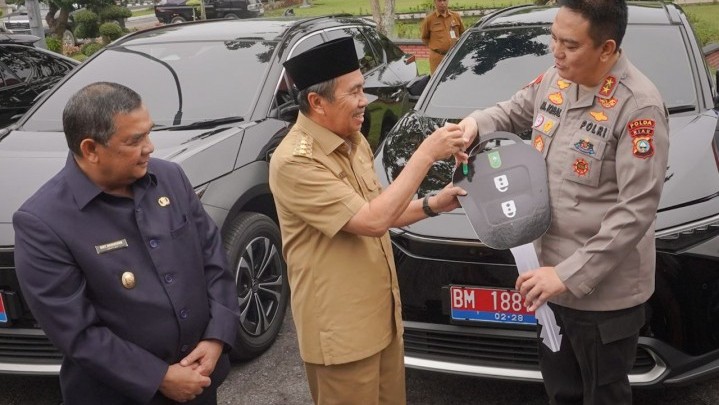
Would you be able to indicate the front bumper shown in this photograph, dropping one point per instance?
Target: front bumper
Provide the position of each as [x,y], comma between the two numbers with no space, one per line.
[512,355]
[28,351]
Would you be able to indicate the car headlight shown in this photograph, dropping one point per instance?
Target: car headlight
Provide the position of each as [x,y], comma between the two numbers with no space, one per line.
[685,236]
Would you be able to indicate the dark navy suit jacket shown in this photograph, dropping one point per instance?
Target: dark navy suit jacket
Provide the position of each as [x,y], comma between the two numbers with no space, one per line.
[70,256]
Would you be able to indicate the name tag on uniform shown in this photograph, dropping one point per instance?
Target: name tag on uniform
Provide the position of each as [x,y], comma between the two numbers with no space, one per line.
[109,247]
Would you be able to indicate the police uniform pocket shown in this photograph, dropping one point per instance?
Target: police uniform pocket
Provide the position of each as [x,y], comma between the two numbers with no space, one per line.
[587,157]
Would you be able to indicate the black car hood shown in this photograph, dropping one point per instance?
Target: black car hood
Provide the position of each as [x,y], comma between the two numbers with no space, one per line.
[29,159]
[690,189]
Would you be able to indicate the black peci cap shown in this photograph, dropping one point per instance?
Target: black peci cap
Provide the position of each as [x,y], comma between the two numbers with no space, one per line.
[323,62]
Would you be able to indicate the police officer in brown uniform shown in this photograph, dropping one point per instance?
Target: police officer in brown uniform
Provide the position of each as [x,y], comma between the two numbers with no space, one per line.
[334,219]
[602,128]
[441,29]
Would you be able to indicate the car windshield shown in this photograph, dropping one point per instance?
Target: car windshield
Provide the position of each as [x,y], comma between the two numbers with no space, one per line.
[181,83]
[494,64]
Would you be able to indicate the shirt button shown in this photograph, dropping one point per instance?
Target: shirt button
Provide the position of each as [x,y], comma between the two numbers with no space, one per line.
[154,243]
[184,348]
[184,312]
[169,278]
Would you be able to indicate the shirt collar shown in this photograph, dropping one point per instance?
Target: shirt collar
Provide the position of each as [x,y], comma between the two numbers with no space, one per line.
[327,140]
[85,190]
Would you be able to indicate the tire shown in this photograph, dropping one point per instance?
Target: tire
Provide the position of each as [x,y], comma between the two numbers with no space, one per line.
[253,245]
[177,19]
[231,16]
[68,38]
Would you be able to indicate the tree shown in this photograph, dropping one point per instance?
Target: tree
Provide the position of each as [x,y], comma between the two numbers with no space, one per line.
[384,18]
[58,22]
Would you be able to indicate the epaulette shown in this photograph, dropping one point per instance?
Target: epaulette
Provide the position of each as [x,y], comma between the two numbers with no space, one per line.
[303,147]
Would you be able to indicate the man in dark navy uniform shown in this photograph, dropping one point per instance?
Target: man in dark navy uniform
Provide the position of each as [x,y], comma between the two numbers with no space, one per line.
[121,265]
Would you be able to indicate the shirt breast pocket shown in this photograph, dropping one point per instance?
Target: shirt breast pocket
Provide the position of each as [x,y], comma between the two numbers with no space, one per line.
[369,183]
[586,159]
[180,229]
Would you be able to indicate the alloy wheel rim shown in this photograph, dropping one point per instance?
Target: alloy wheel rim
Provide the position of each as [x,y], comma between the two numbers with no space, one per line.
[259,279]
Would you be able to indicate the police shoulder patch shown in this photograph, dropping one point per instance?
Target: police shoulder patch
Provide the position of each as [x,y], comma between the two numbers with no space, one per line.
[303,147]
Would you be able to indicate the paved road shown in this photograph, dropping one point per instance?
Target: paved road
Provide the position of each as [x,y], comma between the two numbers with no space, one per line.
[278,378]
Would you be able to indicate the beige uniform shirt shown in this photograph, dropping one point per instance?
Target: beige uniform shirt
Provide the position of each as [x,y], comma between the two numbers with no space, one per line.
[606,152]
[440,32]
[345,297]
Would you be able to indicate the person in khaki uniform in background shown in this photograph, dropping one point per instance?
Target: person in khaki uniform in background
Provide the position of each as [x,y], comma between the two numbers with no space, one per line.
[334,219]
[602,128]
[440,29]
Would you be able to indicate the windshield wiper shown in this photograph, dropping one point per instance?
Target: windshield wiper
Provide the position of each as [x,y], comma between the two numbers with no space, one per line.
[199,124]
[681,108]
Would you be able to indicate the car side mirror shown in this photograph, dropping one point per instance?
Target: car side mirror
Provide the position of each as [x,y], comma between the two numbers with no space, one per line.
[416,86]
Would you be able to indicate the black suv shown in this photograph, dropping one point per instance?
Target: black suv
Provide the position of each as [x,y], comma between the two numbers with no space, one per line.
[177,11]
[441,256]
[25,73]
[221,102]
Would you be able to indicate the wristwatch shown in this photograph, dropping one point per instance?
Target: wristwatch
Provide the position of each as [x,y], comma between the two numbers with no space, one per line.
[425,207]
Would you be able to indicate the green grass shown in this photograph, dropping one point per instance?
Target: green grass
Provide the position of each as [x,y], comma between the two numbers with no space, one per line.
[423,66]
[705,20]
[325,7]
[143,11]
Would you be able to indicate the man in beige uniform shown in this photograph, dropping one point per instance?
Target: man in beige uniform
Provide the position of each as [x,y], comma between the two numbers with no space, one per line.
[602,128]
[440,29]
[334,220]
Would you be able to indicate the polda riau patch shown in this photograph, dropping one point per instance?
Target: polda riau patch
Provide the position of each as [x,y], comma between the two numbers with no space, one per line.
[642,132]
[538,143]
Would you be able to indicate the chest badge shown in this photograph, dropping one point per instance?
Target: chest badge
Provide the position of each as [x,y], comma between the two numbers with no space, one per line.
[581,167]
[598,116]
[563,84]
[128,280]
[109,247]
[163,201]
[585,146]
[538,143]
[607,102]
[556,98]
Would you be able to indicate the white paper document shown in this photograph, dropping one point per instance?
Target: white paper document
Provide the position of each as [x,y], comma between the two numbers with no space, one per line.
[526,258]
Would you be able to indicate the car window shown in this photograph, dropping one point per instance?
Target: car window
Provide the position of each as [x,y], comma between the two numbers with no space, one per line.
[366,54]
[392,52]
[491,65]
[174,79]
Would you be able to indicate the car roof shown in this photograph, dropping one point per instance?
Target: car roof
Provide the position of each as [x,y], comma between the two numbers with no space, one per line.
[639,13]
[266,29]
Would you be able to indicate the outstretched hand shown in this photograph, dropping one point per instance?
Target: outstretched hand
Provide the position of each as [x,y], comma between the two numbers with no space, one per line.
[446,200]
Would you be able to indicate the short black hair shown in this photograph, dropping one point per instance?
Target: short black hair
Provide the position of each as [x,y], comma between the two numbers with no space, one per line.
[607,18]
[90,113]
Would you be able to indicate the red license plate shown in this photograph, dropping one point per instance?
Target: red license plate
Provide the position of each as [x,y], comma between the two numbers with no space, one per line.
[3,313]
[489,305]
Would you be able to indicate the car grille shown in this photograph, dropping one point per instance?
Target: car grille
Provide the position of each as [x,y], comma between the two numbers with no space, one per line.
[21,342]
[27,345]
[487,347]
[17,25]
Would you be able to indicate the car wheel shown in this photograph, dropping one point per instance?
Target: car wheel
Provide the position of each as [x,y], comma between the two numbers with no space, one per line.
[178,19]
[68,38]
[231,16]
[253,246]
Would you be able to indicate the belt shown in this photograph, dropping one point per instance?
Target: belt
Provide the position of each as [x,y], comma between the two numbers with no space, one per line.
[439,52]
